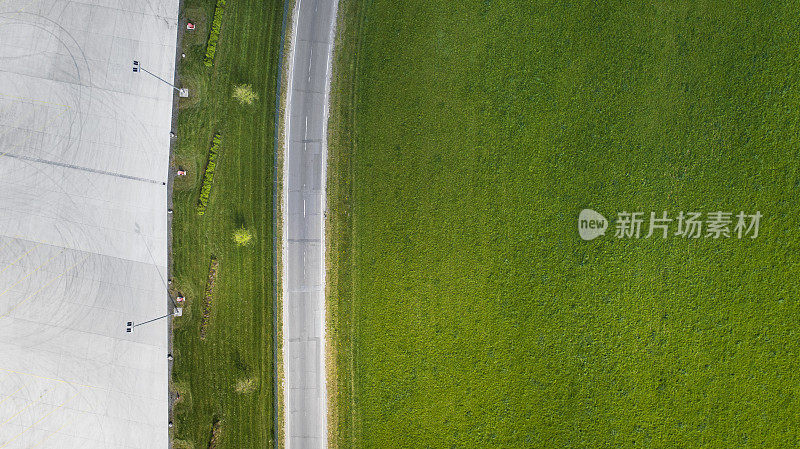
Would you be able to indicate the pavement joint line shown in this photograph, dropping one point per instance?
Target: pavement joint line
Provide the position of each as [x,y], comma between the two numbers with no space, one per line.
[75,197]
[49,123]
[78,250]
[85,358]
[22,9]
[77,167]
[20,257]
[30,274]
[32,100]
[51,434]
[44,286]
[312,41]
[72,83]
[40,420]
[12,393]
[80,85]
[84,225]
[71,384]
[64,220]
[32,403]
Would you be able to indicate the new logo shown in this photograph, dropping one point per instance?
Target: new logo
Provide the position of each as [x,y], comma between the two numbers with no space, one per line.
[591,224]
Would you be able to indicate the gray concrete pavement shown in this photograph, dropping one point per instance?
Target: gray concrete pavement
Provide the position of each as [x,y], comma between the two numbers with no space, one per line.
[84,148]
[310,50]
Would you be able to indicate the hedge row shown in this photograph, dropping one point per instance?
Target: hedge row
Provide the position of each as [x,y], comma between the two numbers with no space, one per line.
[208,297]
[216,432]
[216,25]
[208,177]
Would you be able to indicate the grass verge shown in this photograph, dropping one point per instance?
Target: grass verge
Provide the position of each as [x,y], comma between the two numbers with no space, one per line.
[280,415]
[339,231]
[238,348]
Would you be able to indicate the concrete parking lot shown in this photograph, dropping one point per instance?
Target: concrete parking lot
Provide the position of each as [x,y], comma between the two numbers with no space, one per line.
[84,151]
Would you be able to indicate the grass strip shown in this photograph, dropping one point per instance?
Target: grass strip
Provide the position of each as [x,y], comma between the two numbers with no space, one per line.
[340,335]
[238,341]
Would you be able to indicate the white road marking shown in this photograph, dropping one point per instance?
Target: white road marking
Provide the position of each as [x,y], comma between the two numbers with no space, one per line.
[310,60]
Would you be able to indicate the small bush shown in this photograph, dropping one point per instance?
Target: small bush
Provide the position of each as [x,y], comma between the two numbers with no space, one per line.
[244,93]
[182,444]
[208,297]
[242,237]
[216,432]
[246,386]
[208,176]
[213,37]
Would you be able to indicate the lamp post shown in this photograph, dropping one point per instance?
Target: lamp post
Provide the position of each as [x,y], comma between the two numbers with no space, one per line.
[130,325]
[182,92]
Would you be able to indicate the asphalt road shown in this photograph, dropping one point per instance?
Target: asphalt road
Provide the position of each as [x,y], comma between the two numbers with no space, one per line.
[310,49]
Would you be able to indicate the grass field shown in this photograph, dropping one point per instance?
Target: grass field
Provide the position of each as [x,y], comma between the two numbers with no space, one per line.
[237,350]
[465,310]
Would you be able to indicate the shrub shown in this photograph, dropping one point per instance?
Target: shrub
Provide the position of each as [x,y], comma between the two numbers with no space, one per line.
[246,386]
[244,93]
[242,236]
[213,37]
[182,444]
[216,431]
[208,297]
[208,176]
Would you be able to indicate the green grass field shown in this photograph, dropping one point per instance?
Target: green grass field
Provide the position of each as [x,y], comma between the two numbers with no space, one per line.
[465,309]
[238,346]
